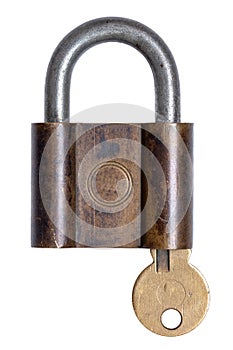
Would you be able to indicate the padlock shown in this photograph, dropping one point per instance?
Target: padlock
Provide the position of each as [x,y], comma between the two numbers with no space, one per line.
[121,185]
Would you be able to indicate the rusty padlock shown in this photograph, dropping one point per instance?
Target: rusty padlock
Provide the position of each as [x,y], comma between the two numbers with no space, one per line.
[121,185]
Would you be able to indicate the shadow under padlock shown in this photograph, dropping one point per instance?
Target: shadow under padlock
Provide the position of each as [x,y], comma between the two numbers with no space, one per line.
[121,185]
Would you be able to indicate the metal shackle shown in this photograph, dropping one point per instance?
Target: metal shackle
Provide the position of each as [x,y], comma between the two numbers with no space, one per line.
[112,29]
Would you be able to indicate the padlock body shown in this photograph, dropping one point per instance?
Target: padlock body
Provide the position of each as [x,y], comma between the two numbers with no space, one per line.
[112,185]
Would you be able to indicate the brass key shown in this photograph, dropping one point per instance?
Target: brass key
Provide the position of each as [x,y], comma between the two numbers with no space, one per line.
[170,283]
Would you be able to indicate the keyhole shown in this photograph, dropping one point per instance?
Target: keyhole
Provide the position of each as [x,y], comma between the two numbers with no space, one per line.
[171,319]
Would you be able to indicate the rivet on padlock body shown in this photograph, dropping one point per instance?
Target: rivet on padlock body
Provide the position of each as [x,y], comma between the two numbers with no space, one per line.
[70,204]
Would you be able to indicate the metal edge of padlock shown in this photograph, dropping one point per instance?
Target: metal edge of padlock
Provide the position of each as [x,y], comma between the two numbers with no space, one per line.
[170,282]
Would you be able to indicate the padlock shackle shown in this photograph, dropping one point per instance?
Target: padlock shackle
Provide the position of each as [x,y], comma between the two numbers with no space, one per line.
[112,29]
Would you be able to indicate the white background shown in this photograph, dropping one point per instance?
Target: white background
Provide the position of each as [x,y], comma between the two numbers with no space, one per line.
[68,299]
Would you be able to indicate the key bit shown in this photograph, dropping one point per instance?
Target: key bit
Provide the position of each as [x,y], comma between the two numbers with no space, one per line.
[170,283]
